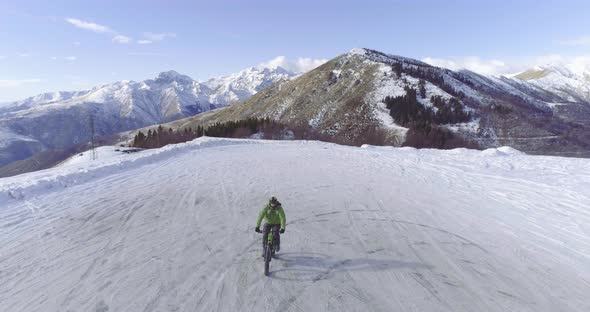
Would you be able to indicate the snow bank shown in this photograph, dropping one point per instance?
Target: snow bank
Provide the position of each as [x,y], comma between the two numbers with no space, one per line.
[502,151]
[104,154]
[76,171]
[510,150]
[81,168]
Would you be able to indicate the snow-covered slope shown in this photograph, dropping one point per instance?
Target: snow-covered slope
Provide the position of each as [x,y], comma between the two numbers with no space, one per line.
[61,119]
[369,229]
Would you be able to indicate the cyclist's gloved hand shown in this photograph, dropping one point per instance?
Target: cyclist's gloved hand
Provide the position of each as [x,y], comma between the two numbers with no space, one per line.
[282,231]
[257,229]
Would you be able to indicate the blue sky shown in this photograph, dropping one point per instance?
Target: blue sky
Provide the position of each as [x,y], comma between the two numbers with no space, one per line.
[72,45]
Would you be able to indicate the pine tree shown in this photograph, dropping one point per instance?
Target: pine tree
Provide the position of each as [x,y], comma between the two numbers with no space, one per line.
[422,88]
[397,68]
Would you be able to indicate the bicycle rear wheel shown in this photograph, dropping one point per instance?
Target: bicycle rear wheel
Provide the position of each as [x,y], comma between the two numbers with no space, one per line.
[274,248]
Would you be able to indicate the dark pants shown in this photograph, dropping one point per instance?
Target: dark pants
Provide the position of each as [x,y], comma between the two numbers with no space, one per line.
[275,233]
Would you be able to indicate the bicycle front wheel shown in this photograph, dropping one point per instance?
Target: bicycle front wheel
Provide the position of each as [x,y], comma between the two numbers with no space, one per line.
[267,256]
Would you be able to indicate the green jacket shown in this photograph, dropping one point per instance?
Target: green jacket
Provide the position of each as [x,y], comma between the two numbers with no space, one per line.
[273,216]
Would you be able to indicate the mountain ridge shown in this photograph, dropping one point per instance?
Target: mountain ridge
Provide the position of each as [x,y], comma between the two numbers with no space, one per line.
[344,98]
[59,120]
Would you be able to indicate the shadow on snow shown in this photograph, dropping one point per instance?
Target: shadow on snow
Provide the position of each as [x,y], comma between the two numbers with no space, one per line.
[315,266]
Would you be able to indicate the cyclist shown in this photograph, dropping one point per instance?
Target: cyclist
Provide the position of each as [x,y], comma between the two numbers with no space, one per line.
[275,218]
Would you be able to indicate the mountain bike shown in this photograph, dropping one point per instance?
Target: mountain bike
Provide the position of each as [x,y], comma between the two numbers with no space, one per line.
[270,248]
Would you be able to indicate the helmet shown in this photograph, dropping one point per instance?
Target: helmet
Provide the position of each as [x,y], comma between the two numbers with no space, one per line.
[273,202]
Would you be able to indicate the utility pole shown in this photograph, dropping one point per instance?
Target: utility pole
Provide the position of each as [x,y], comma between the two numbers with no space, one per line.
[92,139]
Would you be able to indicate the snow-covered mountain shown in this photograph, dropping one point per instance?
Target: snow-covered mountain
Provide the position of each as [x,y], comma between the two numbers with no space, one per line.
[61,119]
[542,111]
[368,229]
[345,100]
[242,85]
[558,79]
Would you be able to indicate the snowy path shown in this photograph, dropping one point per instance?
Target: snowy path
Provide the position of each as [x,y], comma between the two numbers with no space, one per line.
[370,229]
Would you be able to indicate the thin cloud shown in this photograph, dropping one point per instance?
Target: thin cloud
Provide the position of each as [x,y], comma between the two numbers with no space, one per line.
[145,54]
[89,25]
[67,58]
[576,64]
[580,41]
[472,63]
[15,83]
[298,65]
[148,37]
[580,64]
[121,39]
[76,44]
[158,36]
[97,28]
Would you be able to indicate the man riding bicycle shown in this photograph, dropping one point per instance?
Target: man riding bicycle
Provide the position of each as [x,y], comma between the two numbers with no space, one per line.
[275,219]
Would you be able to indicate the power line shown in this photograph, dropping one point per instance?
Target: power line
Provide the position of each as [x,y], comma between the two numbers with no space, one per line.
[92,138]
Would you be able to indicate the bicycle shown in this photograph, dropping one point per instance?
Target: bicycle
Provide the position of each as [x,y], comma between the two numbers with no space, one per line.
[270,248]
